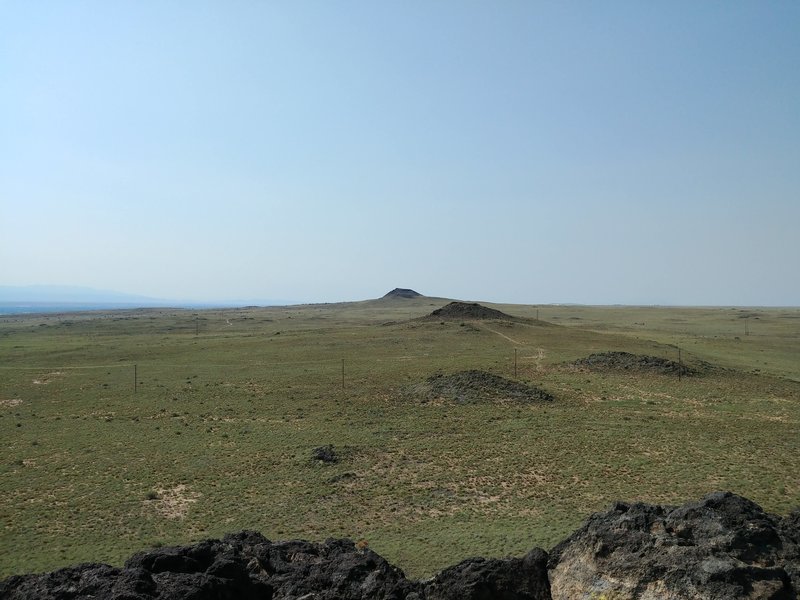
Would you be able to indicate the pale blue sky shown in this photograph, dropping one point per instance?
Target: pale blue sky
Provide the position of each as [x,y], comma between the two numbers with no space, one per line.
[533,152]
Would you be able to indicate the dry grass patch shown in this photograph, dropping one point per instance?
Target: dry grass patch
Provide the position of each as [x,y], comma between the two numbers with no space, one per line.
[172,503]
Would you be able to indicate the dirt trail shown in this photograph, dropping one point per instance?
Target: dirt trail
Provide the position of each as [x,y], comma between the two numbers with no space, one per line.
[539,358]
[503,335]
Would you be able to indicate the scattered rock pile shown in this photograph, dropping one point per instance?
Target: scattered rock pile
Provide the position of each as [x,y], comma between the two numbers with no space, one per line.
[724,547]
[625,361]
[477,386]
[467,311]
[326,454]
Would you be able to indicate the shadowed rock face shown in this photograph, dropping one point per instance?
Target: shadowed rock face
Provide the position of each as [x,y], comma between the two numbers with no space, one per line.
[723,547]
[247,566]
[243,566]
[488,579]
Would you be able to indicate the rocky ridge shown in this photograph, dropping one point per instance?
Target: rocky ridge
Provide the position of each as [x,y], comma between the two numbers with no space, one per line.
[721,548]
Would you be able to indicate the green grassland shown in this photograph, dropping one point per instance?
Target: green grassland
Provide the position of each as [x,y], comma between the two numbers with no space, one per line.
[229,404]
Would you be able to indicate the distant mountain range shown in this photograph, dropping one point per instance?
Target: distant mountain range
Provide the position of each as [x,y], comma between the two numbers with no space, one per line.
[66,293]
[63,298]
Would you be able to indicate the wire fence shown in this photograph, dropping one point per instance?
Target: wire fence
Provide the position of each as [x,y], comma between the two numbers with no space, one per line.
[322,372]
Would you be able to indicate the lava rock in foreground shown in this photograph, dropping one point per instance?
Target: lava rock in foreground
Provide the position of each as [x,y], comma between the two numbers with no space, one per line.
[247,566]
[722,548]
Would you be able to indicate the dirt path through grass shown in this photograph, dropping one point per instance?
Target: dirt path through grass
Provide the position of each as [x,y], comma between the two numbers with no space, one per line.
[503,335]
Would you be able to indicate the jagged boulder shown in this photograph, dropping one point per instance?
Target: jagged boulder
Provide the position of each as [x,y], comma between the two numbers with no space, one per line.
[721,548]
[242,566]
[493,579]
[89,580]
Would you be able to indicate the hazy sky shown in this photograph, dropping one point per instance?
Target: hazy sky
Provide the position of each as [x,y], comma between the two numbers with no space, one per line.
[532,152]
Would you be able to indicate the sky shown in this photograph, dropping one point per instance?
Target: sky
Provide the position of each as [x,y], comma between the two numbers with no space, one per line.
[316,151]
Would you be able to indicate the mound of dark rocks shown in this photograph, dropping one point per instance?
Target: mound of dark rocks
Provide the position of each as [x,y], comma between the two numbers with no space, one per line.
[326,454]
[625,361]
[724,547]
[402,293]
[467,311]
[471,386]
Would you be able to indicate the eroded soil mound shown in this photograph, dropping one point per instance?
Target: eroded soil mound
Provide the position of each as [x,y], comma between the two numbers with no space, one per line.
[467,311]
[625,361]
[477,386]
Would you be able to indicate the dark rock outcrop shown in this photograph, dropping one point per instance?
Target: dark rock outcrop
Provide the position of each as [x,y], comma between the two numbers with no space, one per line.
[402,293]
[467,311]
[243,566]
[493,579]
[720,548]
[325,454]
[88,580]
[625,361]
[723,547]
[466,387]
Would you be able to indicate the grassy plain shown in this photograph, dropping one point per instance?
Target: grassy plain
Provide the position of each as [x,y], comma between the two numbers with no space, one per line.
[230,403]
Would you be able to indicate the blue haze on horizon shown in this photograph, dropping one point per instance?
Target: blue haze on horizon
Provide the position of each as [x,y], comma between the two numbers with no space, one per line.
[530,152]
